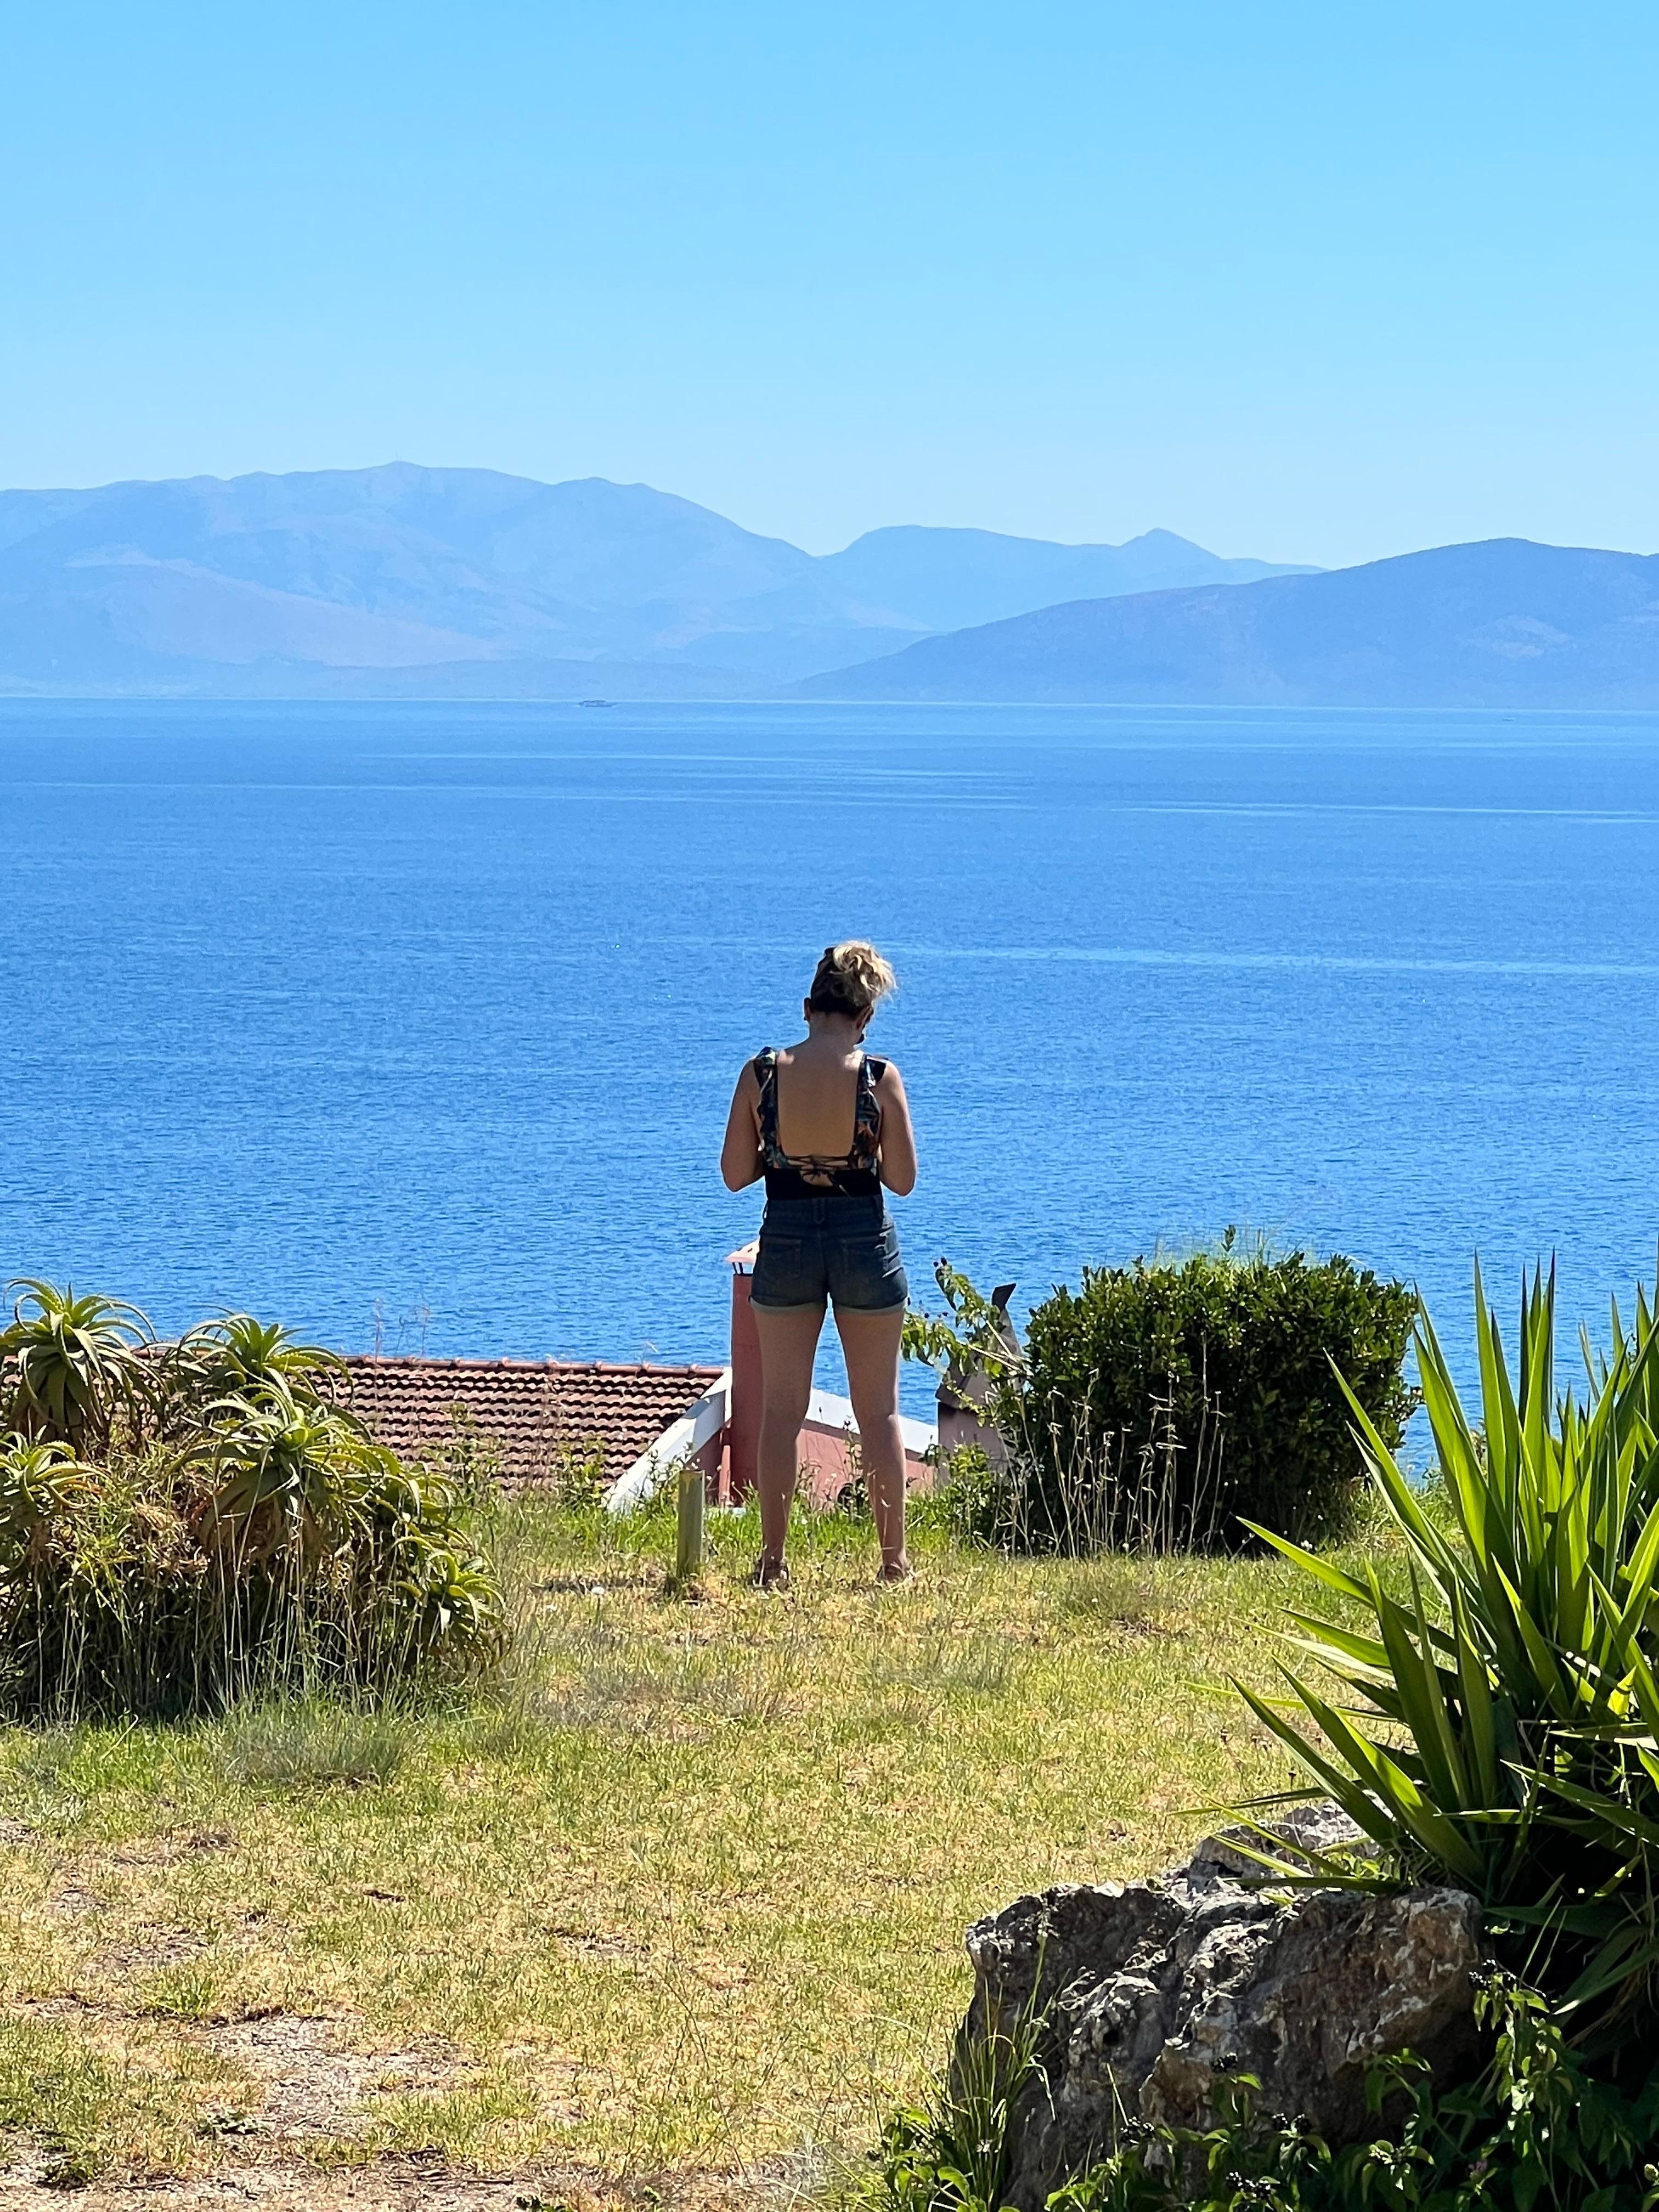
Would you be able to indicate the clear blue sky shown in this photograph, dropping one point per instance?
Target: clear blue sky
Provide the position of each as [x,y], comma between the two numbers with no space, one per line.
[1312,282]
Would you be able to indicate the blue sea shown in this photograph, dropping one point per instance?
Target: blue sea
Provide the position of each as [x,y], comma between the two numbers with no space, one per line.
[416,1024]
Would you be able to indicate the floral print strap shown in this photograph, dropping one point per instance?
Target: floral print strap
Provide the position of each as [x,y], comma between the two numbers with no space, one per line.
[766,1074]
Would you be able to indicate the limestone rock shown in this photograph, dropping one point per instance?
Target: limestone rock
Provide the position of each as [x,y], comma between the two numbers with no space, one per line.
[1154,1990]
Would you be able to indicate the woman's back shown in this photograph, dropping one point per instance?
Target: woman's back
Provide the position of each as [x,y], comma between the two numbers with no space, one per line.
[848,1164]
[817,1094]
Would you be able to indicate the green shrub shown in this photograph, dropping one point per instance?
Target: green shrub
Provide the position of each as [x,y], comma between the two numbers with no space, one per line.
[1161,1406]
[1533,2128]
[181,1524]
[1499,1729]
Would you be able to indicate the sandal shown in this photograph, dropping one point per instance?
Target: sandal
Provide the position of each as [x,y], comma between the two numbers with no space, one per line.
[770,1575]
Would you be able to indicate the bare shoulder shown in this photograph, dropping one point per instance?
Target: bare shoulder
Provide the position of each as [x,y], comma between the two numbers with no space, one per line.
[890,1080]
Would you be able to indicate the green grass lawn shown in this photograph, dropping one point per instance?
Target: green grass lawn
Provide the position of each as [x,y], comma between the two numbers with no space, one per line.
[684,1902]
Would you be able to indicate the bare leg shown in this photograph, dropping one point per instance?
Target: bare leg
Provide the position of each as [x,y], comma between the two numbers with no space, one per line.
[871,1343]
[789,1347]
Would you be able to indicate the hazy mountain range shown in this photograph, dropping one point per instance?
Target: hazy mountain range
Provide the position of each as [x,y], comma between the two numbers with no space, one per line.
[461,583]
[1503,623]
[401,581]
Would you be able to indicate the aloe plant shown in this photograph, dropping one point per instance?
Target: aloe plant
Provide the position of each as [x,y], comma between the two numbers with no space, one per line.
[39,1484]
[70,1363]
[1497,1722]
[182,1524]
[285,1471]
[236,1352]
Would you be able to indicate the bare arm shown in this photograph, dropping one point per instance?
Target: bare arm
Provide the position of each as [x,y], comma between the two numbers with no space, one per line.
[740,1155]
[898,1139]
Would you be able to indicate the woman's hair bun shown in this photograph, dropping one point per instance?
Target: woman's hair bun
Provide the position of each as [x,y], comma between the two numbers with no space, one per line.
[851,978]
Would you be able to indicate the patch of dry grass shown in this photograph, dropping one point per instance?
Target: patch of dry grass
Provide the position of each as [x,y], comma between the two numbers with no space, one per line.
[687,1894]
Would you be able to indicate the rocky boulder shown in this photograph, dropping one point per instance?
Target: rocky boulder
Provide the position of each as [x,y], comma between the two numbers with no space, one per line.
[1153,1991]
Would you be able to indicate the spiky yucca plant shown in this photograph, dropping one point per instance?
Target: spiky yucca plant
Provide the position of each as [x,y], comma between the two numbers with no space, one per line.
[1500,1729]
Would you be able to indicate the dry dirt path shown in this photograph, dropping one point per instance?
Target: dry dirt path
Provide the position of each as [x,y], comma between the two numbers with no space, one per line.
[394,2184]
[315,2092]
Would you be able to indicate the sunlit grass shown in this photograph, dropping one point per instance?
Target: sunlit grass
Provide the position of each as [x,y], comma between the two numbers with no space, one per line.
[687,1893]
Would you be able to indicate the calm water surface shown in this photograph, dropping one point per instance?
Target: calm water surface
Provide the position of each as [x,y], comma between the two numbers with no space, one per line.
[432,1013]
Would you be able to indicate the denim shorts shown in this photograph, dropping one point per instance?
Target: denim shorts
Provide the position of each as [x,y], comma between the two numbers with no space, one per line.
[846,1249]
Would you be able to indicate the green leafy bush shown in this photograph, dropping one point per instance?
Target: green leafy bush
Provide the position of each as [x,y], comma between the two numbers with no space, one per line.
[974,1336]
[1533,2128]
[1499,1729]
[1162,1405]
[182,1523]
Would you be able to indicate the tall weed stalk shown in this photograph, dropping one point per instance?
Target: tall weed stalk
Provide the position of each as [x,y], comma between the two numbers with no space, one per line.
[954,2152]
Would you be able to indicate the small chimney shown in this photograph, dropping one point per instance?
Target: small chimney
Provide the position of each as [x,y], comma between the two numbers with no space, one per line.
[962,1396]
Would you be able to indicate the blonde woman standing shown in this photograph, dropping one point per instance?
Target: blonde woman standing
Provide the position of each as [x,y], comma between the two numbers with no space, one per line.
[829,1127]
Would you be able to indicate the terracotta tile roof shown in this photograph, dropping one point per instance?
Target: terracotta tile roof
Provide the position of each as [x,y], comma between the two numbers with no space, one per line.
[534,1412]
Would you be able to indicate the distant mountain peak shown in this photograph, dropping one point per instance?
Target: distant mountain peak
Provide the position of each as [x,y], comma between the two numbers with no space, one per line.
[1501,622]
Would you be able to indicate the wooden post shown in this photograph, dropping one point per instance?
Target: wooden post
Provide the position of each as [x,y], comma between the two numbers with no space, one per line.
[688,1550]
